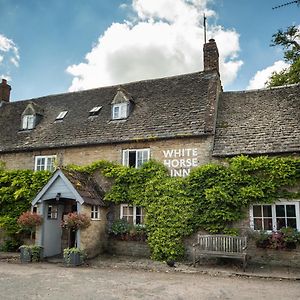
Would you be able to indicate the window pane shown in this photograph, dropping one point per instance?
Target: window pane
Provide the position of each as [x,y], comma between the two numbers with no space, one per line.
[139,158]
[258,224]
[116,112]
[280,211]
[292,223]
[291,211]
[280,223]
[30,123]
[268,224]
[256,210]
[127,211]
[132,159]
[267,211]
[145,155]
[129,219]
[123,108]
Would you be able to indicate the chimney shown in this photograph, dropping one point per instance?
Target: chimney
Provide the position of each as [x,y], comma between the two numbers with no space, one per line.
[4,91]
[211,56]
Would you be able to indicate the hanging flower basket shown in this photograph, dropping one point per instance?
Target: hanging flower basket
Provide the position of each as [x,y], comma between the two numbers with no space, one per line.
[75,221]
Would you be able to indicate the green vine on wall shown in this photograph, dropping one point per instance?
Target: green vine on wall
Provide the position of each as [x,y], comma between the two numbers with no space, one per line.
[17,189]
[212,197]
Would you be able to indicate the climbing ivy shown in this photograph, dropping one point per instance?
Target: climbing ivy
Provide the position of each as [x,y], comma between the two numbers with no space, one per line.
[212,197]
[17,189]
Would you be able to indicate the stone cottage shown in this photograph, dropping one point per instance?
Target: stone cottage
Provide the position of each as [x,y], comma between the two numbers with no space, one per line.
[183,121]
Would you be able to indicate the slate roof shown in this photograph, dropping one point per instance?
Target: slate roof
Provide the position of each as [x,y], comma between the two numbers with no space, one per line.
[86,186]
[176,106]
[263,121]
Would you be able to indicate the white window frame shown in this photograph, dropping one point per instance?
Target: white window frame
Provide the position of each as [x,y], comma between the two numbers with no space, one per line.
[37,167]
[120,111]
[142,156]
[273,209]
[52,212]
[95,212]
[28,122]
[61,115]
[122,216]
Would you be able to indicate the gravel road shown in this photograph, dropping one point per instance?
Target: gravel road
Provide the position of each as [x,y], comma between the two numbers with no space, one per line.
[52,281]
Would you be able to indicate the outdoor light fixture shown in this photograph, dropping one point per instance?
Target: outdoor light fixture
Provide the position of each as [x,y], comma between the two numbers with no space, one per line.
[57,197]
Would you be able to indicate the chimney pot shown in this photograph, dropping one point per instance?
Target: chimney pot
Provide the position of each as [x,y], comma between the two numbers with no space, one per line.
[4,91]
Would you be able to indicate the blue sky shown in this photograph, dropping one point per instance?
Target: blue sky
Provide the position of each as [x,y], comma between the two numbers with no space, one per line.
[50,47]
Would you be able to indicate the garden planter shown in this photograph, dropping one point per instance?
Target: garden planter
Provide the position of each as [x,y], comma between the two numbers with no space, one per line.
[73,257]
[25,255]
[30,253]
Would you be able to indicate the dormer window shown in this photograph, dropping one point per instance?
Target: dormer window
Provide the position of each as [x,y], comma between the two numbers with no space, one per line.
[122,105]
[61,115]
[28,122]
[31,116]
[120,111]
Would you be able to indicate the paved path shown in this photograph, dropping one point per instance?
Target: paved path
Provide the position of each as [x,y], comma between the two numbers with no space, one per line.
[51,281]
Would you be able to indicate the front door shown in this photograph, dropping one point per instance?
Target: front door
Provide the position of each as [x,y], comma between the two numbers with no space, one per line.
[52,229]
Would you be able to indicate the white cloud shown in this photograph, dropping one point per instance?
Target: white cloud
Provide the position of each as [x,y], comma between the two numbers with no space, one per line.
[9,56]
[165,38]
[261,77]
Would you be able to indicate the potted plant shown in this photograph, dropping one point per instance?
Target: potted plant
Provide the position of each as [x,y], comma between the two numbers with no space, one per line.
[74,221]
[28,221]
[73,257]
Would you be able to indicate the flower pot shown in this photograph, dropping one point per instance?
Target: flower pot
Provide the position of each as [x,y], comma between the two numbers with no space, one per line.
[73,258]
[25,255]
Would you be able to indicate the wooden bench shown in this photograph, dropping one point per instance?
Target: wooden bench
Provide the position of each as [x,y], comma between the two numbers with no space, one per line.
[220,246]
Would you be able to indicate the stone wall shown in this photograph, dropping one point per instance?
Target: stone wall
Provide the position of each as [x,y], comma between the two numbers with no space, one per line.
[94,238]
[128,248]
[196,151]
[274,257]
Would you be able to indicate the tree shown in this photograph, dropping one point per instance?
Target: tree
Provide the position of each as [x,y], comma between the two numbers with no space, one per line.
[290,41]
[288,3]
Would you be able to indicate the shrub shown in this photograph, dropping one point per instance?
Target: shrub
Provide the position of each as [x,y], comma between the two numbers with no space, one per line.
[120,227]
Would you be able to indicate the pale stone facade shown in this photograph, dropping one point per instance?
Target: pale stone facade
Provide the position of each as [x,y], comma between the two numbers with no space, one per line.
[179,155]
[94,238]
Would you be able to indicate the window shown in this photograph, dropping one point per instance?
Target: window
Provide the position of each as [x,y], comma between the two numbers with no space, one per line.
[95,212]
[120,111]
[135,158]
[275,216]
[61,115]
[43,163]
[52,212]
[95,111]
[132,214]
[28,122]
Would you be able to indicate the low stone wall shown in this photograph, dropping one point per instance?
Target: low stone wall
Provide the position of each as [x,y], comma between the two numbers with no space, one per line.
[283,257]
[128,248]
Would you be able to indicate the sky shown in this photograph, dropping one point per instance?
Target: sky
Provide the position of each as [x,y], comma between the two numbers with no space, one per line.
[57,46]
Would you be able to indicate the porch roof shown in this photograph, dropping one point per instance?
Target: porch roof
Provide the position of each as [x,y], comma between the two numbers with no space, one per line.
[73,185]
